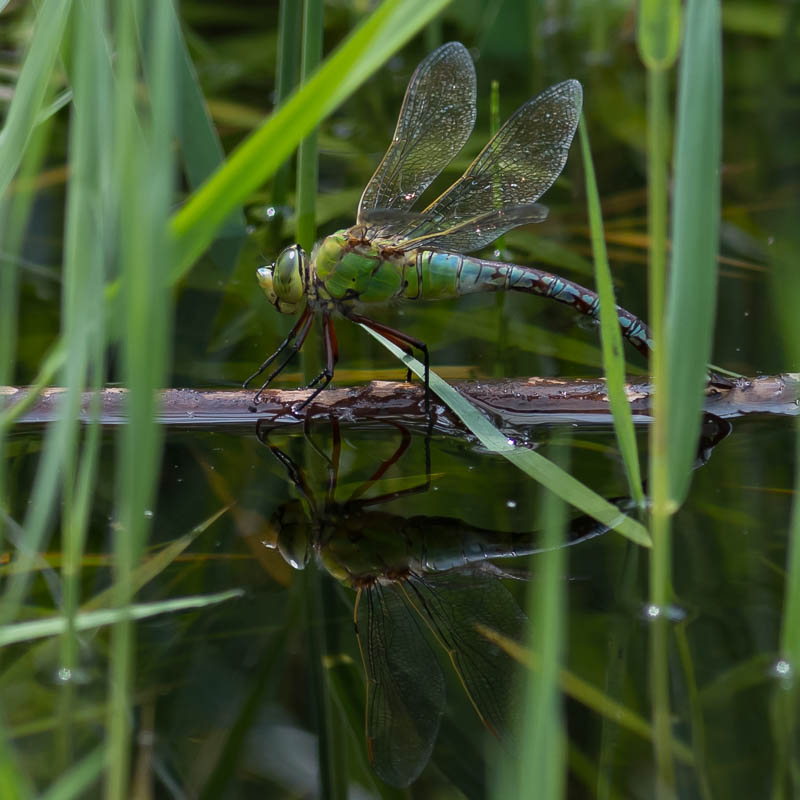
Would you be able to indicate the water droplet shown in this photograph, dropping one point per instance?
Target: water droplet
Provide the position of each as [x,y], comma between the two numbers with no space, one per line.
[148,513]
[511,503]
[64,675]
[784,672]
[672,613]
[783,668]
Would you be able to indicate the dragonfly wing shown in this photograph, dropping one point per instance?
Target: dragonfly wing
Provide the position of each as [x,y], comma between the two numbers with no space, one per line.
[514,170]
[405,686]
[477,231]
[454,604]
[436,119]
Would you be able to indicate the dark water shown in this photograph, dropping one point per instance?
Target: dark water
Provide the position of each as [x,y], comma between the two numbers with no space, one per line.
[230,699]
[228,692]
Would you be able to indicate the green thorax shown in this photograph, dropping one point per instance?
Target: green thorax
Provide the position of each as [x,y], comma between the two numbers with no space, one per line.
[348,270]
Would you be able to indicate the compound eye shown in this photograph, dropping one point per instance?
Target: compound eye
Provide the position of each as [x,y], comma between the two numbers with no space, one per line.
[288,274]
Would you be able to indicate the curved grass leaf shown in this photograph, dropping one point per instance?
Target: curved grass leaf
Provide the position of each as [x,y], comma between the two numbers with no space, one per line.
[611,335]
[390,26]
[87,620]
[586,694]
[77,780]
[29,93]
[537,466]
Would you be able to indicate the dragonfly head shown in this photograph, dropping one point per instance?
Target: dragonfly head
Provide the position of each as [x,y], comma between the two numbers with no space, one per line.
[282,282]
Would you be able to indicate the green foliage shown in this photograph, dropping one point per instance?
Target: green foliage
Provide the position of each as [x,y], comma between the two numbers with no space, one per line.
[611,336]
[691,299]
[658,32]
[391,25]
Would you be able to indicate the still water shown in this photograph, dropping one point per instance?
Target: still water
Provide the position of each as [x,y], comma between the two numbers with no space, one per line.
[226,696]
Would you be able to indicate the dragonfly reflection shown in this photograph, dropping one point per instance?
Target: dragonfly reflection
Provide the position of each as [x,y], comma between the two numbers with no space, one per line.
[413,574]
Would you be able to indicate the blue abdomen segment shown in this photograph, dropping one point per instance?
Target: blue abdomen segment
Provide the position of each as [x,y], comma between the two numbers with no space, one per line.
[451,274]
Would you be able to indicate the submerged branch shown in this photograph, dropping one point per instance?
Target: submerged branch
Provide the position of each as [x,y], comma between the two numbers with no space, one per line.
[509,402]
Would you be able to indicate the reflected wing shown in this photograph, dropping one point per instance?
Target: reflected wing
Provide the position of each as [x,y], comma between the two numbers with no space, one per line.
[509,175]
[452,603]
[436,119]
[405,686]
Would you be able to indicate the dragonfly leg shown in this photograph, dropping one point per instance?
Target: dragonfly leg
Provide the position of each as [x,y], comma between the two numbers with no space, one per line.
[331,357]
[307,319]
[282,346]
[293,471]
[405,441]
[405,343]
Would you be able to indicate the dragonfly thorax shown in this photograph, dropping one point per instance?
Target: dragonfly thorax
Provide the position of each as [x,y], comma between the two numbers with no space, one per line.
[284,281]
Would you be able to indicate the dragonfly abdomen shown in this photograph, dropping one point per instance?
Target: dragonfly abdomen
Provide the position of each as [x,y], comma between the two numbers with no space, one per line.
[441,275]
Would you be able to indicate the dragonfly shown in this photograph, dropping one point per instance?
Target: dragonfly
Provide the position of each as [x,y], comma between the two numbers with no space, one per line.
[417,579]
[394,254]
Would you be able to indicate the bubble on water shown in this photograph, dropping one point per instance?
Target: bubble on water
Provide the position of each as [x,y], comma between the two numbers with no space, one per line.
[652,612]
[672,613]
[783,671]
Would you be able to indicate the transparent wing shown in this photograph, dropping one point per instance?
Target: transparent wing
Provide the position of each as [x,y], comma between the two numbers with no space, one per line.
[453,604]
[479,230]
[436,119]
[508,176]
[405,686]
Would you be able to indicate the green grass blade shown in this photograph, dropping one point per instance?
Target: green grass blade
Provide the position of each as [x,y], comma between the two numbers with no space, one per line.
[587,694]
[77,781]
[331,773]
[200,146]
[153,566]
[541,757]
[265,676]
[308,161]
[31,88]
[53,362]
[144,172]
[63,99]
[286,72]
[786,666]
[657,218]
[538,467]
[308,152]
[691,300]
[390,26]
[658,32]
[89,620]
[13,782]
[610,333]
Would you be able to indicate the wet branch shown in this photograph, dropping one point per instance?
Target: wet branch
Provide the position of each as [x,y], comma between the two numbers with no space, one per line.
[512,402]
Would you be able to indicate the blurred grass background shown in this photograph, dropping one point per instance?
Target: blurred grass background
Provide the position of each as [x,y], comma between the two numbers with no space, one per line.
[146,166]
